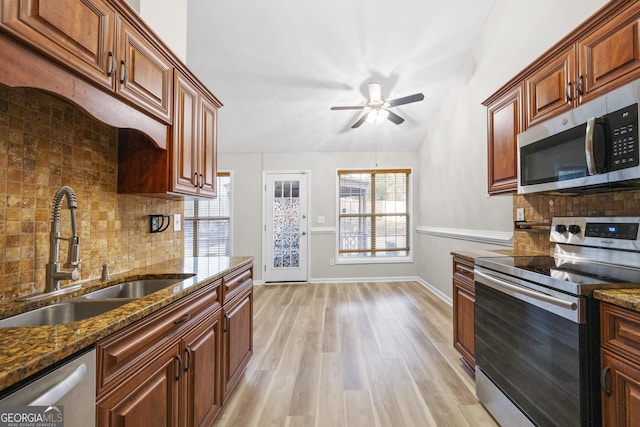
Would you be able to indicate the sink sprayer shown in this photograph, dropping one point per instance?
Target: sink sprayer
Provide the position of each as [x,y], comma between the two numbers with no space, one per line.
[54,273]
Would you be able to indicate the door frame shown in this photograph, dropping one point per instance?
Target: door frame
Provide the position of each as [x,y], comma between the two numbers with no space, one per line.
[265,241]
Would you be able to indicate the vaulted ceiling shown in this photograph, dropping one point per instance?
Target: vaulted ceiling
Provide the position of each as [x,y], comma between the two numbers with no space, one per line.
[279,65]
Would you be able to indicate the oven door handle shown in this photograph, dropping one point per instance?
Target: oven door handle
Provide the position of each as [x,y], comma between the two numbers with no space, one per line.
[511,289]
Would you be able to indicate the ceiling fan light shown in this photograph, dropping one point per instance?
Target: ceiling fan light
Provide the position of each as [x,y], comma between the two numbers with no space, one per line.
[377,116]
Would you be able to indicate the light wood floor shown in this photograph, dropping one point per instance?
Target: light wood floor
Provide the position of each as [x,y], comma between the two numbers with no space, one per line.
[353,354]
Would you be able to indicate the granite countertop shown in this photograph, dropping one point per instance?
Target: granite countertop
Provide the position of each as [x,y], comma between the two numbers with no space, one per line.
[28,350]
[471,255]
[626,298]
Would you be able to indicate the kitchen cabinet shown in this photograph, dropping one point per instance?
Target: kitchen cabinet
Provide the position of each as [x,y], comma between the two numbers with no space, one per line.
[620,364]
[195,141]
[164,367]
[598,56]
[464,311]
[504,122]
[237,318]
[93,39]
[550,89]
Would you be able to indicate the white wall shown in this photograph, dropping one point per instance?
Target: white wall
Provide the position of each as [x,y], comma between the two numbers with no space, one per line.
[168,19]
[247,171]
[452,159]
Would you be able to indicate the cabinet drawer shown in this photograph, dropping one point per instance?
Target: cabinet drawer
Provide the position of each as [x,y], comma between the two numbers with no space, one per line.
[463,270]
[620,331]
[125,351]
[236,282]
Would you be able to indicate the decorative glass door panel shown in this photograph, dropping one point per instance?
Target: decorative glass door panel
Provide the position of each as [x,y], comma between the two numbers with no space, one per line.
[286,227]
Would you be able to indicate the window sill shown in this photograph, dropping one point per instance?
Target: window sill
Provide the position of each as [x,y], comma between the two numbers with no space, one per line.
[380,260]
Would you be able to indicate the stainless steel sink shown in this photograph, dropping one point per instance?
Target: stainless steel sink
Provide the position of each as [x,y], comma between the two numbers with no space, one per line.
[63,312]
[133,289]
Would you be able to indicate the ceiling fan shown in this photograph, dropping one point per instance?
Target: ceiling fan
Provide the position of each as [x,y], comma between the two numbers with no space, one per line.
[377,108]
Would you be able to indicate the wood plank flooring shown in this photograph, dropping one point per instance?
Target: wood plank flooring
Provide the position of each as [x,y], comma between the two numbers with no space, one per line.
[353,354]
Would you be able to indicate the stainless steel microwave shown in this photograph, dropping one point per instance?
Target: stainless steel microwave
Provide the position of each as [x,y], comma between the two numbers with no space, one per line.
[594,146]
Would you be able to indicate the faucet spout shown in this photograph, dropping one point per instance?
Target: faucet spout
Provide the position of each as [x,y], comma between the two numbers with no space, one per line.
[54,273]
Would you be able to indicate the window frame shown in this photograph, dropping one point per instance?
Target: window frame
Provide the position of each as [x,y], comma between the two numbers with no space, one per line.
[386,259]
[214,218]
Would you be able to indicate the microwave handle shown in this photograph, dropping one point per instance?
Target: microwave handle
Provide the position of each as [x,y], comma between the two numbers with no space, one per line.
[588,146]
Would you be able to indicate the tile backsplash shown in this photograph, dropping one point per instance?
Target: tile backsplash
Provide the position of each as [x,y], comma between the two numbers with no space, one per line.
[541,208]
[45,143]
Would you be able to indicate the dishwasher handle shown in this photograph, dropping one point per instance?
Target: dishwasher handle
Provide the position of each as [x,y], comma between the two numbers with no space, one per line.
[61,389]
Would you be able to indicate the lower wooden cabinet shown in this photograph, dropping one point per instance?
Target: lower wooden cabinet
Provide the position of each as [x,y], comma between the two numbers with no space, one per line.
[620,364]
[150,396]
[177,366]
[237,338]
[464,295]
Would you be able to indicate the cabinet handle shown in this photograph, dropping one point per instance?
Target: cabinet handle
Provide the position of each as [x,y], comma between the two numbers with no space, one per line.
[124,72]
[112,64]
[227,324]
[184,319]
[568,92]
[179,360]
[189,358]
[580,86]
[197,180]
[201,181]
[603,380]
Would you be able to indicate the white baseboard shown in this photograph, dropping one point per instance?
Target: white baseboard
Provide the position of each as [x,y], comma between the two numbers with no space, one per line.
[423,283]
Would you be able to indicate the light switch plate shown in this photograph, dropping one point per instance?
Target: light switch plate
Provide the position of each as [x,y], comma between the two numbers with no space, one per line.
[177,222]
[520,214]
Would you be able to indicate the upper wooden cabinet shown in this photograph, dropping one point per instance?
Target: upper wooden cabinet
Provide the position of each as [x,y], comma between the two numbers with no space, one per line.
[92,39]
[600,55]
[550,90]
[504,122]
[610,56]
[194,141]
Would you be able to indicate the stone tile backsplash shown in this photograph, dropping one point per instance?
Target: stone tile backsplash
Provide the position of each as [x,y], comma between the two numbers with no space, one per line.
[45,143]
[541,208]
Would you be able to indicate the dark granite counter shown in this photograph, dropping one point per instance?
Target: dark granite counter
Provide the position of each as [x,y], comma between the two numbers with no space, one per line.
[28,350]
[626,298]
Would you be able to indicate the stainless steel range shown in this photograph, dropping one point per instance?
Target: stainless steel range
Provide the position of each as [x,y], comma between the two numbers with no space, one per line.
[537,325]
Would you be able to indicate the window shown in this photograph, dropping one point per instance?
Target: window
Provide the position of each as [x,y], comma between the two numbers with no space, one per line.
[207,223]
[374,218]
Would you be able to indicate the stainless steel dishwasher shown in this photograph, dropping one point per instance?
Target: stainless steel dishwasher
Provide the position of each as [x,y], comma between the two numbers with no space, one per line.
[72,386]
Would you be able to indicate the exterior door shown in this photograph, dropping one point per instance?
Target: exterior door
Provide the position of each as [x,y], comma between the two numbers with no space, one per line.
[285,229]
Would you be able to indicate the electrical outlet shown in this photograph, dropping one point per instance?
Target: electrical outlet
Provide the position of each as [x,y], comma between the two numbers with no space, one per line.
[177,222]
[331,262]
[520,214]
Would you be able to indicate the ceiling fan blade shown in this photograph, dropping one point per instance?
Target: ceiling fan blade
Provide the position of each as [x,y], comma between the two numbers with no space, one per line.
[406,100]
[360,121]
[349,107]
[394,117]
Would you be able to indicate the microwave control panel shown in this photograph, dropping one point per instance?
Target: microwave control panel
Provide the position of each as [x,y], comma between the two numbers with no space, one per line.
[623,128]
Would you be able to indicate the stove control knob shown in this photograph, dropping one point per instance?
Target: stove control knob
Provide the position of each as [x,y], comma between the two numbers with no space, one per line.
[574,229]
[561,228]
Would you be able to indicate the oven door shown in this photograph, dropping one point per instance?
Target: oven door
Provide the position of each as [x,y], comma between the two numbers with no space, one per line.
[529,343]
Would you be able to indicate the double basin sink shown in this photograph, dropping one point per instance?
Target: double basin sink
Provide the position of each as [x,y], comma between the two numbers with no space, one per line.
[91,304]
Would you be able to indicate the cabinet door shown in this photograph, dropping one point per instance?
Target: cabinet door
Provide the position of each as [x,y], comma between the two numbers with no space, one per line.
[237,345]
[185,150]
[208,160]
[551,90]
[504,124]
[77,34]
[620,391]
[610,56]
[464,321]
[201,353]
[144,74]
[150,397]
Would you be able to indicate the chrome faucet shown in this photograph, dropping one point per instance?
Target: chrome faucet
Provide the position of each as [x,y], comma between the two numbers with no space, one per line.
[54,273]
